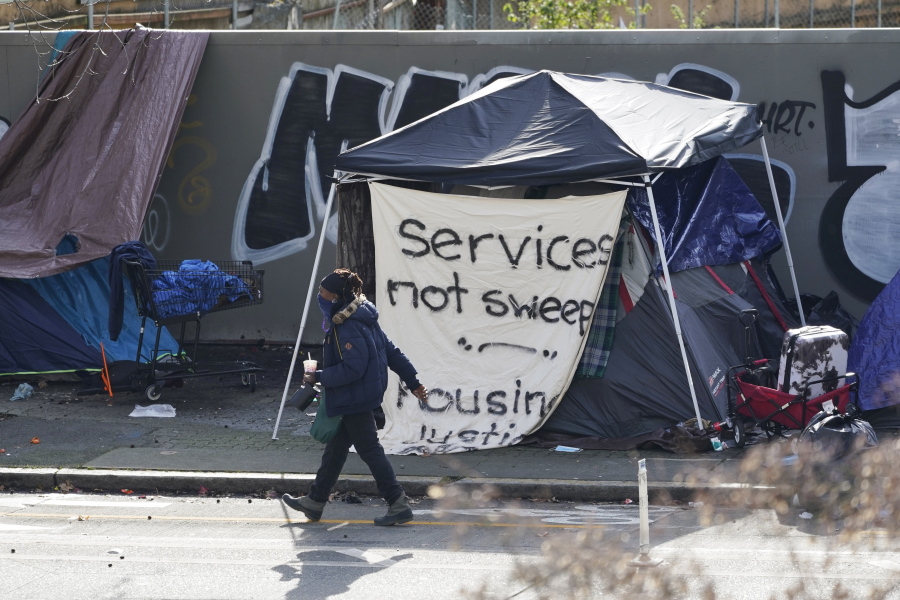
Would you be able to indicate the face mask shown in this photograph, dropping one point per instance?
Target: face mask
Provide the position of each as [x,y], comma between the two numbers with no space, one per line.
[326,306]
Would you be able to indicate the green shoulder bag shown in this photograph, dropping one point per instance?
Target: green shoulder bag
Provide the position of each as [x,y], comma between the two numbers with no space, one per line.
[324,427]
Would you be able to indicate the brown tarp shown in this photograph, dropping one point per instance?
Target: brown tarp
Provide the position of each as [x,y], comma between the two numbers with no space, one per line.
[86,158]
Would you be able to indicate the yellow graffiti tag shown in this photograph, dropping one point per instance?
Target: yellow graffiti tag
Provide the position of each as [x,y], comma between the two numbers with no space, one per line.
[194,191]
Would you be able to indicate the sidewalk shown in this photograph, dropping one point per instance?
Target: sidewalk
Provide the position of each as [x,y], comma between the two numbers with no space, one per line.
[221,439]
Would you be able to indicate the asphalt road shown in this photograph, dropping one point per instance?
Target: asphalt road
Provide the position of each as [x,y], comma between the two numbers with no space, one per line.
[122,546]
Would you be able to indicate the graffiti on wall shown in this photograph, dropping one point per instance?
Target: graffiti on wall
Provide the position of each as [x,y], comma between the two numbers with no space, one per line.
[859,225]
[711,82]
[195,191]
[157,224]
[318,112]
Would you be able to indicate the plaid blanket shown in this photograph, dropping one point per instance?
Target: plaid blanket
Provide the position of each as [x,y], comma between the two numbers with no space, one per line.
[592,363]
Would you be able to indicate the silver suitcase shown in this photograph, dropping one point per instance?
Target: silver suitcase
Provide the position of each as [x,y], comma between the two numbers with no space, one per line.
[809,354]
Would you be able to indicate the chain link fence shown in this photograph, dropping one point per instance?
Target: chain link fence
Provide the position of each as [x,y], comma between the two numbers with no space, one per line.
[669,14]
[420,15]
[793,14]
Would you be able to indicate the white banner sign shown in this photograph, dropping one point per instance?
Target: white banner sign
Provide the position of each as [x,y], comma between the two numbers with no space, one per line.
[491,300]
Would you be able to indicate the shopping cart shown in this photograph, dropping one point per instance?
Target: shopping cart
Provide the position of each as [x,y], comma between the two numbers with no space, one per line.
[182,292]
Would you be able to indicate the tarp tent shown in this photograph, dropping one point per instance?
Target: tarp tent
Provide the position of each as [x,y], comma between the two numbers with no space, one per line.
[34,338]
[74,168]
[56,324]
[643,386]
[717,271]
[875,355]
[74,184]
[550,128]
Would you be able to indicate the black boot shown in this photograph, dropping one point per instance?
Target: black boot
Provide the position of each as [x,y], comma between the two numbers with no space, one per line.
[398,512]
[306,505]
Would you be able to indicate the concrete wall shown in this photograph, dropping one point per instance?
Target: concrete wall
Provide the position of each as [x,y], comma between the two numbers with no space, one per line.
[830,98]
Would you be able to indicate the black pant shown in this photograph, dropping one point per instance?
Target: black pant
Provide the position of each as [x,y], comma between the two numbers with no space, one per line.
[356,430]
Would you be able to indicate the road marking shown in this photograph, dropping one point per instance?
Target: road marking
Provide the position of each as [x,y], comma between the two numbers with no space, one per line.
[687,570]
[138,546]
[10,503]
[338,526]
[769,575]
[367,555]
[54,558]
[886,564]
[292,522]
[578,515]
[791,553]
[11,527]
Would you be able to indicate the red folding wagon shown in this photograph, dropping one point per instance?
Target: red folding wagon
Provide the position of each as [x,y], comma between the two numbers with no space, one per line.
[752,397]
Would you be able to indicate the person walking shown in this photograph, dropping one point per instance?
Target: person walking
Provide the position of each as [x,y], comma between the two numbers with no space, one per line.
[357,355]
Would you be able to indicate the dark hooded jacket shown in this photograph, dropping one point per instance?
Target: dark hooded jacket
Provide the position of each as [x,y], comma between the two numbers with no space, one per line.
[357,354]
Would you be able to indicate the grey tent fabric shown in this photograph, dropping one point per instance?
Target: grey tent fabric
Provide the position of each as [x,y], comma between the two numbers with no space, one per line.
[549,128]
[764,295]
[85,169]
[644,386]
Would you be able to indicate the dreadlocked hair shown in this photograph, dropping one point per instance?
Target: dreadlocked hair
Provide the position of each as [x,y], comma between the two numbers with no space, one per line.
[352,283]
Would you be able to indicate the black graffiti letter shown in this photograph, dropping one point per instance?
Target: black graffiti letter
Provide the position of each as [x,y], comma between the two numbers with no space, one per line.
[411,236]
[514,261]
[496,407]
[550,261]
[494,312]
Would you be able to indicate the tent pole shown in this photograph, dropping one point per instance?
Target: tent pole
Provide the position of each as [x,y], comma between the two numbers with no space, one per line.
[309,291]
[671,294]
[787,247]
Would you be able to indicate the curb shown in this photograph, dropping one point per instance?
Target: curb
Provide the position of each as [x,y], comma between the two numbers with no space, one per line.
[249,483]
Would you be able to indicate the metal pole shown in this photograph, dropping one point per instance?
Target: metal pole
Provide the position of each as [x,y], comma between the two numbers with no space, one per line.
[491,25]
[474,14]
[777,14]
[671,294]
[309,291]
[766,13]
[234,13]
[737,18]
[643,559]
[812,13]
[90,15]
[879,13]
[637,14]
[644,509]
[165,14]
[787,247]
[852,13]
[690,14]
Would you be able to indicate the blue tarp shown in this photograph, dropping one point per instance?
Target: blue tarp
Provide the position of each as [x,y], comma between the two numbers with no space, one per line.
[34,338]
[81,297]
[875,352]
[197,286]
[708,217]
